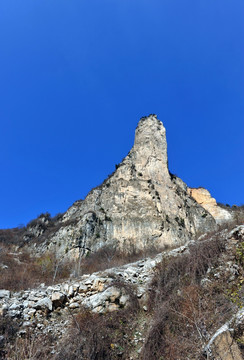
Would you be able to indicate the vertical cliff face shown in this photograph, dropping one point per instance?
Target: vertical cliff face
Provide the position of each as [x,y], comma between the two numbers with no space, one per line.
[140,205]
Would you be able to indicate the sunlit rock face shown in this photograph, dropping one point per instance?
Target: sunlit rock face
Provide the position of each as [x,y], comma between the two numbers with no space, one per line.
[139,206]
[204,198]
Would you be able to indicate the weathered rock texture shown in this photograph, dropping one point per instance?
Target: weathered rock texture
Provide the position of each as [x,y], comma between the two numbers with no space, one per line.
[204,198]
[225,348]
[140,205]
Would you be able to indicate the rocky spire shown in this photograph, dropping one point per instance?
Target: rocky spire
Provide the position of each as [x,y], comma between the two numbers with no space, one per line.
[149,153]
[150,142]
[140,205]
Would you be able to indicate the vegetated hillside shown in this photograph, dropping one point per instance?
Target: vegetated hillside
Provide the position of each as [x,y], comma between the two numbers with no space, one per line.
[165,307]
[22,269]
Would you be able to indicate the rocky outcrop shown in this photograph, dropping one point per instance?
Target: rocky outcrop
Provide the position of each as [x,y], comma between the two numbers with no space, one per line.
[140,205]
[204,198]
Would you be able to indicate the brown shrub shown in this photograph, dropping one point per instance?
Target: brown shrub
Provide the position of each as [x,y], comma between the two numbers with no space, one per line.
[12,236]
[108,257]
[183,312]
[173,273]
[21,271]
[22,235]
[29,346]
[8,329]
[101,336]
[98,337]
[182,324]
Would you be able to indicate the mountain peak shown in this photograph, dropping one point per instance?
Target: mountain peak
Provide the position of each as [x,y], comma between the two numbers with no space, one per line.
[150,146]
[139,206]
[150,132]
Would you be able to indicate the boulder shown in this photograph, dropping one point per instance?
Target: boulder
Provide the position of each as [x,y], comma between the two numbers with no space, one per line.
[225,348]
[58,299]
[4,294]
[74,305]
[43,304]
[109,295]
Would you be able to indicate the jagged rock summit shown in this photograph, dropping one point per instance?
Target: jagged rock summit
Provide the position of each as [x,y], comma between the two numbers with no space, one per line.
[140,205]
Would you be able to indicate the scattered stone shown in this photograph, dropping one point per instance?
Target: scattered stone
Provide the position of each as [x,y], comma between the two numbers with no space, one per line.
[44,304]
[124,299]
[58,299]
[71,291]
[31,312]
[15,306]
[26,324]
[74,305]
[112,307]
[4,294]
[82,288]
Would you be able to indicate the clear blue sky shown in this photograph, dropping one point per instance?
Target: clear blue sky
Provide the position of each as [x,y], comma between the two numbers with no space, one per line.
[77,75]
